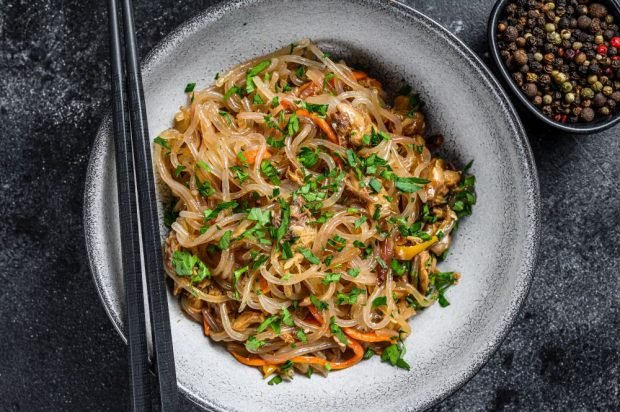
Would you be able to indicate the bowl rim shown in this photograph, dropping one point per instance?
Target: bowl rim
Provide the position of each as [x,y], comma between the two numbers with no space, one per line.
[532,234]
[578,128]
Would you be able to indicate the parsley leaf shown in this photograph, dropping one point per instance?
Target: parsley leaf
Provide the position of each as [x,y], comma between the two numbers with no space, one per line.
[308,157]
[351,298]
[189,265]
[336,331]
[270,171]
[231,91]
[331,278]
[224,242]
[256,214]
[273,321]
[380,301]
[318,304]
[393,355]
[287,318]
[190,87]
[310,257]
[353,272]
[254,344]
[162,142]
[276,380]
[409,184]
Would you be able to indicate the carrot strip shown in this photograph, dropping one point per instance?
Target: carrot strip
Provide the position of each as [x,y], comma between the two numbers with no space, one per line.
[304,87]
[358,75]
[315,313]
[264,286]
[367,337]
[206,327]
[251,361]
[322,123]
[358,353]
[250,155]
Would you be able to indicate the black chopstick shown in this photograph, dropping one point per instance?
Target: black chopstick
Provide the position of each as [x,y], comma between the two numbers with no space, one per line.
[130,244]
[148,219]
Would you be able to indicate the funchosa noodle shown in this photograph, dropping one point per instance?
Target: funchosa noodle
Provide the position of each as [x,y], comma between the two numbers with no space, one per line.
[308,214]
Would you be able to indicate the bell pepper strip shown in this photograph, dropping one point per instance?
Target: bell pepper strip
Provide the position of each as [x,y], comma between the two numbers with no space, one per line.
[358,353]
[322,123]
[251,361]
[250,155]
[409,252]
[268,370]
[367,337]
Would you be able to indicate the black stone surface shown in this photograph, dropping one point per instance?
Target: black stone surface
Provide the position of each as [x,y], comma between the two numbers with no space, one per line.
[59,351]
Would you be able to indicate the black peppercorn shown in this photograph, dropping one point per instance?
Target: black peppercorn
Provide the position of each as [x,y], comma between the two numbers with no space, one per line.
[511,34]
[597,10]
[587,114]
[599,100]
[536,67]
[583,22]
[530,89]
[560,55]
[518,78]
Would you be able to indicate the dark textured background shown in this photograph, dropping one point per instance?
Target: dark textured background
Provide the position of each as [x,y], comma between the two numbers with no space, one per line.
[59,351]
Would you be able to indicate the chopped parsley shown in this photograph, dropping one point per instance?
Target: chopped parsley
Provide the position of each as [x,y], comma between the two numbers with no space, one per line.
[233,90]
[351,298]
[253,344]
[224,242]
[380,301]
[190,87]
[409,184]
[270,171]
[276,380]
[393,355]
[310,257]
[318,304]
[189,265]
[162,142]
[308,157]
[336,331]
[178,170]
[273,321]
[331,278]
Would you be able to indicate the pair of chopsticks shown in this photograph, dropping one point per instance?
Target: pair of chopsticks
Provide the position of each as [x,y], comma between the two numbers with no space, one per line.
[133,157]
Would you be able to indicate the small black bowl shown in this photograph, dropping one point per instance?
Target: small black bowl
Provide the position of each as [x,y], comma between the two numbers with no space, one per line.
[580,128]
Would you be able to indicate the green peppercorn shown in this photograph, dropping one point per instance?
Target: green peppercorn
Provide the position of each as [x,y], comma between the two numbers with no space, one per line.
[604,111]
[547,99]
[598,39]
[549,6]
[549,27]
[565,34]
[608,90]
[566,87]
[577,45]
[592,79]
[569,97]
[538,56]
[597,86]
[587,93]
[560,77]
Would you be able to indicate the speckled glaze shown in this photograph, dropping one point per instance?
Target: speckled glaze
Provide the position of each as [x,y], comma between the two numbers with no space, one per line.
[494,250]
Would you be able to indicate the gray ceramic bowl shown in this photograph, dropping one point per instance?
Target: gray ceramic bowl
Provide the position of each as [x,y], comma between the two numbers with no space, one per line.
[494,249]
